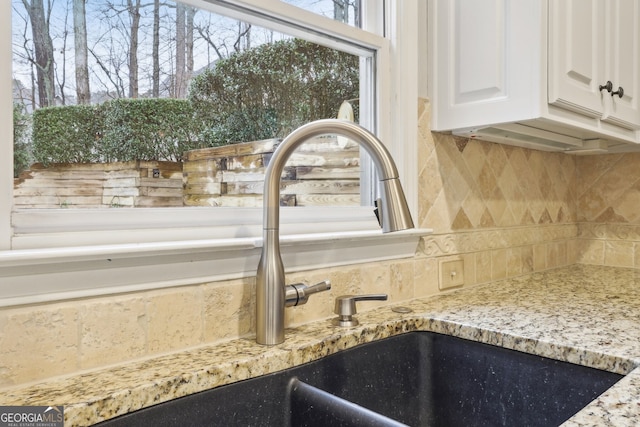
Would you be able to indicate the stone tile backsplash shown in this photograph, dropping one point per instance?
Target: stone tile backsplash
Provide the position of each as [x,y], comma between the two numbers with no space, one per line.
[608,206]
[467,184]
[608,189]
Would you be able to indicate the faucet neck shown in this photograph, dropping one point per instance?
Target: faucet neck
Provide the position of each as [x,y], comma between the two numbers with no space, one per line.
[270,277]
[381,157]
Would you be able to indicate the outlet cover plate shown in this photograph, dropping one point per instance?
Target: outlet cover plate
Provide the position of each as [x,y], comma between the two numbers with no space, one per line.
[451,273]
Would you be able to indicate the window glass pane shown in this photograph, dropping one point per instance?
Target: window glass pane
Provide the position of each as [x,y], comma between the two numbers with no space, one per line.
[347,11]
[164,105]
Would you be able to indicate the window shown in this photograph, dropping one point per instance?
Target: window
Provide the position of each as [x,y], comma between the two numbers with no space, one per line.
[160,93]
[347,11]
[113,250]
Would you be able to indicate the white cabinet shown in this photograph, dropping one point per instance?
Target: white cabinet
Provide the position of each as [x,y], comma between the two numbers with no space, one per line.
[534,73]
[577,55]
[623,60]
[593,52]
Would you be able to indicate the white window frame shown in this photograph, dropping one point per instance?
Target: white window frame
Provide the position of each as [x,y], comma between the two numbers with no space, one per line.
[48,255]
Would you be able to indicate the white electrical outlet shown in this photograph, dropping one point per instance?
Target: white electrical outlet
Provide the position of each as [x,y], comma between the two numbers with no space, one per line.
[451,273]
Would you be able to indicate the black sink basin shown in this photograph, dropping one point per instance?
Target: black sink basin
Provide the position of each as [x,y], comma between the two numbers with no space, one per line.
[419,379]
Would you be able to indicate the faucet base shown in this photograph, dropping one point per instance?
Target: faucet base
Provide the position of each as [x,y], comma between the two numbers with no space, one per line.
[345,323]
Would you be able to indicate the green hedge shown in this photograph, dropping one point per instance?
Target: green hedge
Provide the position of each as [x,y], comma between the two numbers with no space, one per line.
[249,124]
[118,130]
[147,129]
[22,156]
[67,134]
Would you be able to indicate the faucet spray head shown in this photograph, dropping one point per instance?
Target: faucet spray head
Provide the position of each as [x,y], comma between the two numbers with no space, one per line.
[393,211]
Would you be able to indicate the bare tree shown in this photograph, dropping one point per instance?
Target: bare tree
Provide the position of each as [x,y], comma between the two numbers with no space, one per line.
[113,65]
[155,54]
[83,91]
[121,39]
[25,57]
[341,11]
[203,32]
[61,63]
[133,6]
[180,83]
[243,42]
[224,39]
[184,48]
[146,47]
[43,47]
[191,12]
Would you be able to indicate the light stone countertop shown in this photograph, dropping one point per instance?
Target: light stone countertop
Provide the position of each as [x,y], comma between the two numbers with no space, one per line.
[588,315]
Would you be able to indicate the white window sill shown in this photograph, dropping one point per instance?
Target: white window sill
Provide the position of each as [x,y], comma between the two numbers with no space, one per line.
[58,272]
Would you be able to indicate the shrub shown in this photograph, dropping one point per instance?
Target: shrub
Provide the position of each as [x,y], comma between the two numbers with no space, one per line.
[148,129]
[242,126]
[299,80]
[22,156]
[119,130]
[66,134]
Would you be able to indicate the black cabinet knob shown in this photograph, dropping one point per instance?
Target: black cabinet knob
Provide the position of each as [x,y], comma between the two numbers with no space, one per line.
[608,86]
[619,92]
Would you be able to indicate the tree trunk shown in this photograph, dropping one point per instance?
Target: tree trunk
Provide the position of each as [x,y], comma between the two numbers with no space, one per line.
[341,10]
[134,13]
[180,84]
[243,42]
[81,56]
[155,91]
[61,75]
[43,47]
[191,11]
[357,18]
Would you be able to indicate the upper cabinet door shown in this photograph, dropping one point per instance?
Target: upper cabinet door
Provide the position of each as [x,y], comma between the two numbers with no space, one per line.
[577,55]
[485,56]
[623,62]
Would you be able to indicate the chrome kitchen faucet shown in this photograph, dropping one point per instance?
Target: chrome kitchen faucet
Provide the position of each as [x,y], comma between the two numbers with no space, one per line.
[272,296]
